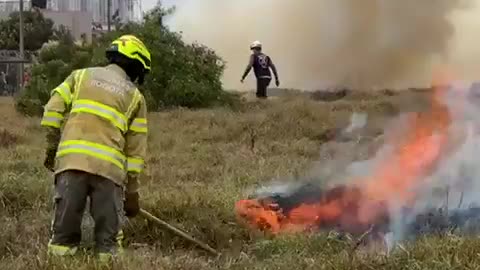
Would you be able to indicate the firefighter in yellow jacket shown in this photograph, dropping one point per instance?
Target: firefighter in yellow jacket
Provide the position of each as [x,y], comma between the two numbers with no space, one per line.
[99,150]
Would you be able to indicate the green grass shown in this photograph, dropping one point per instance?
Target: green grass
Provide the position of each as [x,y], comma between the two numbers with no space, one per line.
[200,162]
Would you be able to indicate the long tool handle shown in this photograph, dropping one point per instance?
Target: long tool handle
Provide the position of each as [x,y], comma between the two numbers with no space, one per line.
[177,231]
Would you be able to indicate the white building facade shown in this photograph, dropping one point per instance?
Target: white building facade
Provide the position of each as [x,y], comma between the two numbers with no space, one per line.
[125,10]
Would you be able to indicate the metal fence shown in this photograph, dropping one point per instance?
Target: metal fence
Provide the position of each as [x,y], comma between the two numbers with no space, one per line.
[11,79]
[9,82]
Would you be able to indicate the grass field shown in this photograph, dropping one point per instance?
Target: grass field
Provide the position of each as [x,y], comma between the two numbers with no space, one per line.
[200,162]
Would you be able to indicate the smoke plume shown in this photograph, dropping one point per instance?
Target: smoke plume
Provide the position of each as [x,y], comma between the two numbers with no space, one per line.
[421,180]
[319,43]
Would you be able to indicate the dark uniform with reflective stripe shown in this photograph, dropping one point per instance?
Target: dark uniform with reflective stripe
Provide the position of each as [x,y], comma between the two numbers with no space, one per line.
[100,153]
[261,64]
[106,207]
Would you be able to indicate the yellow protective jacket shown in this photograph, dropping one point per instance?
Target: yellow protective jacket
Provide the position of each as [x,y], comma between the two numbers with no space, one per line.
[105,132]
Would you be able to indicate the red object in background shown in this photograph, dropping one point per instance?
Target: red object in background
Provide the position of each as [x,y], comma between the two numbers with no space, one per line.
[26,78]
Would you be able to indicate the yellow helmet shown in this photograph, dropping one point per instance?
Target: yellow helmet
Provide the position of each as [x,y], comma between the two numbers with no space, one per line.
[132,48]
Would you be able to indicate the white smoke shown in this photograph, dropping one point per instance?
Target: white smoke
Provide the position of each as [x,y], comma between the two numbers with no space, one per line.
[367,44]
[450,186]
[357,121]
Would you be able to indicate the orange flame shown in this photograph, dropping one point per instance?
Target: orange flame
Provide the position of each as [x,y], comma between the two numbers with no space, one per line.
[414,157]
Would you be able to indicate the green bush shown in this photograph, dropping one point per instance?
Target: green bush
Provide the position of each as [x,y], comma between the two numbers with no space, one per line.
[37,30]
[186,75]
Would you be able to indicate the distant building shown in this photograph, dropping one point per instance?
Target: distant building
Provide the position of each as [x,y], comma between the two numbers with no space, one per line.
[125,10]
[82,16]
[8,6]
[78,22]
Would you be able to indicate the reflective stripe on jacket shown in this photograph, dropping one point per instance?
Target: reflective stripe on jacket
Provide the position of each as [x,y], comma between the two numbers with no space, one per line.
[105,132]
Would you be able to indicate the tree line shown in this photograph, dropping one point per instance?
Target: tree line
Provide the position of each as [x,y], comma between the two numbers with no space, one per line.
[183,74]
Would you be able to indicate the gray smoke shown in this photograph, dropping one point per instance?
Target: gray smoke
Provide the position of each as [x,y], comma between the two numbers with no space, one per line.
[452,186]
[448,198]
[318,43]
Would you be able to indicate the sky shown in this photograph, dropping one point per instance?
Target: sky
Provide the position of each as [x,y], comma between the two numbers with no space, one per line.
[371,43]
[148,4]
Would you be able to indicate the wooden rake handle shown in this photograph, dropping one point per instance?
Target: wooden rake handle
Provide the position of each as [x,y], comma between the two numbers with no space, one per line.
[177,231]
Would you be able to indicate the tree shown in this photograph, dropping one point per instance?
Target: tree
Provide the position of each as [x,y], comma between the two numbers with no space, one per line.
[187,75]
[183,74]
[38,30]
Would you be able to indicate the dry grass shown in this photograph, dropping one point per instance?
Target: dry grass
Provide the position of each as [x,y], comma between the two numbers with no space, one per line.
[200,163]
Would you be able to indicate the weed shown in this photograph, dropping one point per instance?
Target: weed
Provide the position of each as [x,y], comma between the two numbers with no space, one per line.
[199,163]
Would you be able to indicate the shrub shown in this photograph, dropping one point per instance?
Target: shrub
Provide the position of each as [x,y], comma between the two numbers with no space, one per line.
[183,74]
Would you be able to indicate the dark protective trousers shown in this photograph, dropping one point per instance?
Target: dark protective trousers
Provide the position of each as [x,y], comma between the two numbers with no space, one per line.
[106,207]
[262,85]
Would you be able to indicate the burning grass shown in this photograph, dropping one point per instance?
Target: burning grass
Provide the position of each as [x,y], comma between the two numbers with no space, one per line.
[199,165]
[416,149]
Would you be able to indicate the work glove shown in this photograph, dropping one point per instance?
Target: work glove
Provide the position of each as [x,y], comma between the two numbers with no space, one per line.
[131,206]
[49,162]
[277,82]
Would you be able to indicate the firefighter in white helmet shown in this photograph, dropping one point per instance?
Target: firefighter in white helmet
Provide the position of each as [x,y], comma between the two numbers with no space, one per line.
[261,64]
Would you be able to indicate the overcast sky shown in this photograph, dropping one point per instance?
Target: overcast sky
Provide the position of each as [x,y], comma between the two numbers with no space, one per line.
[148,4]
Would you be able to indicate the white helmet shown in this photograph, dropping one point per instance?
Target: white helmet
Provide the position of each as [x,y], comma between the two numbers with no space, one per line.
[255,44]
